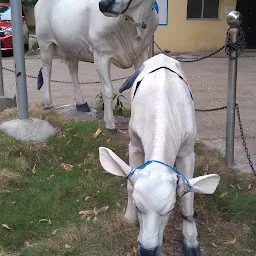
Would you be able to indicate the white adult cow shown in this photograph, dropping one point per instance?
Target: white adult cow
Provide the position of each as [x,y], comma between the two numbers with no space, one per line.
[78,31]
[162,135]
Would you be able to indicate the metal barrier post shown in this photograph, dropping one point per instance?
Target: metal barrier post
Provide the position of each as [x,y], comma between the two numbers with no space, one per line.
[234,20]
[1,75]
[18,43]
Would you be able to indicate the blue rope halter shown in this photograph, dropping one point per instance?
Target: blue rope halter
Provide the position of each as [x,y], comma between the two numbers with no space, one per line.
[159,162]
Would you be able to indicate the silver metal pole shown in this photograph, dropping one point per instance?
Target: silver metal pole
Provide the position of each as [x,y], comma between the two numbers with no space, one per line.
[1,75]
[18,45]
[234,20]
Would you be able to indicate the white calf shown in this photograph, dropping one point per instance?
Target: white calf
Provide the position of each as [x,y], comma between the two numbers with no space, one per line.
[162,135]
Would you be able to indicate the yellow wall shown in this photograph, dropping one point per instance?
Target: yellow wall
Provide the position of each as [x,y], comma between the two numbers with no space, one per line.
[182,35]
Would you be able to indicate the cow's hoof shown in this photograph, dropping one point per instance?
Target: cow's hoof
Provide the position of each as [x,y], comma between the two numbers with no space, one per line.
[112,131]
[83,108]
[187,251]
[48,107]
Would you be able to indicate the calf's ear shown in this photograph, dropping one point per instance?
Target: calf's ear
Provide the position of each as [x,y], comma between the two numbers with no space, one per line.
[206,184]
[112,163]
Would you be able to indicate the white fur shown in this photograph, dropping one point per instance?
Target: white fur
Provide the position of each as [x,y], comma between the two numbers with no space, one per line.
[163,128]
[78,31]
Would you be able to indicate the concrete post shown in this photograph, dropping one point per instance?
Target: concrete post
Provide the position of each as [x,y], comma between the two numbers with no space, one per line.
[234,20]
[18,44]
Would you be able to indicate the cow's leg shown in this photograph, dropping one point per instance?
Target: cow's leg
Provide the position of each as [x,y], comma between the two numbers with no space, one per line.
[73,70]
[103,69]
[135,159]
[141,58]
[47,53]
[190,244]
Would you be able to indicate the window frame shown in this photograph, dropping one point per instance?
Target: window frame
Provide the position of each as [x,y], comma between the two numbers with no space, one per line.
[202,12]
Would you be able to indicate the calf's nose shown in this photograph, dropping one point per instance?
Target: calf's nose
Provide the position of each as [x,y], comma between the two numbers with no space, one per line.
[146,252]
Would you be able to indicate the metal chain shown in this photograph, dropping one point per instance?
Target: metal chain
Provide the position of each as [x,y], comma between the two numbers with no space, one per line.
[64,82]
[229,47]
[238,46]
[243,139]
[210,109]
[194,60]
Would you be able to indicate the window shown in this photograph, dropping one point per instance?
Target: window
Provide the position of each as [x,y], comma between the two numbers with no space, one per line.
[203,9]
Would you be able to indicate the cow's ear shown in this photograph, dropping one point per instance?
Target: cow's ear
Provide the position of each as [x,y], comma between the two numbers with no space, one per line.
[206,184]
[112,163]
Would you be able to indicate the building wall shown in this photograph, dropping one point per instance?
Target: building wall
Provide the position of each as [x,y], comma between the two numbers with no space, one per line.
[182,35]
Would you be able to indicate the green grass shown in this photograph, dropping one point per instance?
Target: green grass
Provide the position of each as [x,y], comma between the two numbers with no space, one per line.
[52,192]
[57,194]
[32,30]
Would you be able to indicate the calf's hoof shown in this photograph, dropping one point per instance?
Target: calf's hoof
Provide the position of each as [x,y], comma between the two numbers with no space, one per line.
[187,251]
[112,131]
[83,108]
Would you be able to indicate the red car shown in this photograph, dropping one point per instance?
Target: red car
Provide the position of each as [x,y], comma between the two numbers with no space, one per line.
[6,28]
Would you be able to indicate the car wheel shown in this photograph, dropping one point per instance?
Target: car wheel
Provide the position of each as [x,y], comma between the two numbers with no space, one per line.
[26,46]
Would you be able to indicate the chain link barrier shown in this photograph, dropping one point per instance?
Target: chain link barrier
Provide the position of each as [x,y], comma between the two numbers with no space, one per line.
[243,139]
[229,47]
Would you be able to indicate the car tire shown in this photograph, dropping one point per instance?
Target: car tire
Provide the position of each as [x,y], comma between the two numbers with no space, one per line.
[26,46]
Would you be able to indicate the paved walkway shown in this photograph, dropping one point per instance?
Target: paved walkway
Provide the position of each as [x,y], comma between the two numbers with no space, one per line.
[208,80]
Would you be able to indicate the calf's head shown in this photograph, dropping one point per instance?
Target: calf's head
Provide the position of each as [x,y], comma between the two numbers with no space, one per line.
[154,195]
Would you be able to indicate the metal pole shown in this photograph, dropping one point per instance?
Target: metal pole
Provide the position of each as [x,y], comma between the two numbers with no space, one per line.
[1,75]
[234,20]
[18,45]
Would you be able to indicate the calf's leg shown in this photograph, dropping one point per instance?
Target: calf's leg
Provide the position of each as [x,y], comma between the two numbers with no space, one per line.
[190,243]
[135,159]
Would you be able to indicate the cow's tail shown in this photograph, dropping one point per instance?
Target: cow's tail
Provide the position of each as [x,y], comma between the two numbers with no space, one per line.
[40,80]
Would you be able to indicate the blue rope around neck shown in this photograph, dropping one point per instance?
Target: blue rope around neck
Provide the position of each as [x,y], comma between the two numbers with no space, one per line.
[159,162]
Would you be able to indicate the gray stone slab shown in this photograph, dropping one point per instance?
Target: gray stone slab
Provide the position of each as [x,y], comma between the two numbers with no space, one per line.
[33,129]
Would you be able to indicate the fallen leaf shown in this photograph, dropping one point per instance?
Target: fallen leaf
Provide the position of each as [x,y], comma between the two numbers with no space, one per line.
[6,226]
[54,232]
[34,169]
[52,176]
[209,230]
[246,228]
[231,242]
[223,194]
[67,246]
[214,245]
[90,155]
[27,244]
[103,209]
[97,133]
[67,167]
[95,212]
[4,191]
[248,250]
[250,186]
[232,186]
[238,187]
[45,220]
[87,198]
[79,165]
